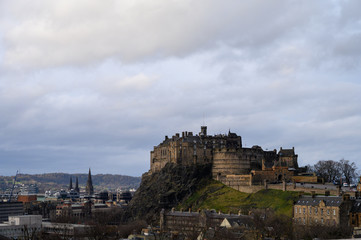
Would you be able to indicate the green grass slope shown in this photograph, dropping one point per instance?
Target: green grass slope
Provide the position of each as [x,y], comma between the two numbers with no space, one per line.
[220,197]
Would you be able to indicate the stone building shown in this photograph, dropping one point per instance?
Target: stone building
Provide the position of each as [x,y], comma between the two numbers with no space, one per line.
[227,155]
[185,222]
[323,210]
[355,214]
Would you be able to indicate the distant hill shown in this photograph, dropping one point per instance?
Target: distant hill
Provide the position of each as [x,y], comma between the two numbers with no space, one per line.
[56,181]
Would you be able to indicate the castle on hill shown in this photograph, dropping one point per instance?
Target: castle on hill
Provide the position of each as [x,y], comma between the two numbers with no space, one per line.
[230,160]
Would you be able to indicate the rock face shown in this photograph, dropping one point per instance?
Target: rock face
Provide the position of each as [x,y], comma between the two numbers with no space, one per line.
[166,189]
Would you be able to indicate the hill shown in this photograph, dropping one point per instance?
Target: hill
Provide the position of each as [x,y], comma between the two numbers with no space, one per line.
[56,181]
[193,187]
[220,197]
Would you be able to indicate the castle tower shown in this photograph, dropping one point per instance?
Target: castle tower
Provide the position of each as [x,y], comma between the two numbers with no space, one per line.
[71,183]
[76,185]
[89,185]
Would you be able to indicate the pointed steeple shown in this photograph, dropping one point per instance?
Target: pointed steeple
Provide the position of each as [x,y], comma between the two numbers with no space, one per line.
[76,185]
[89,184]
[71,183]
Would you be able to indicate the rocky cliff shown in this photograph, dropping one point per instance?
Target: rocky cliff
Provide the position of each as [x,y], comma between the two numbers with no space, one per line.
[166,189]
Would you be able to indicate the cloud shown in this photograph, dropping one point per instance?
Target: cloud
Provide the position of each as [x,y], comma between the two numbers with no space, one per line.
[102,82]
[43,34]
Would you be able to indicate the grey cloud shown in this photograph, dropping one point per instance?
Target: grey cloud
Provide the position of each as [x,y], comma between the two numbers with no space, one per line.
[133,31]
[104,83]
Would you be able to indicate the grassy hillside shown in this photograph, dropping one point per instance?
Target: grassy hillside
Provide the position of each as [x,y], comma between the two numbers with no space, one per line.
[218,196]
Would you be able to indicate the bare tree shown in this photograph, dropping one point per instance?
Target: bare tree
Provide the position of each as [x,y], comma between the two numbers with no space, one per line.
[329,170]
[348,170]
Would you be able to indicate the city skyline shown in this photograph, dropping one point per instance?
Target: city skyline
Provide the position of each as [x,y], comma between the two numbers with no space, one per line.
[98,84]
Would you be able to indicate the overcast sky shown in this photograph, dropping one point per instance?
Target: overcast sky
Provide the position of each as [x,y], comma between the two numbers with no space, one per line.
[98,83]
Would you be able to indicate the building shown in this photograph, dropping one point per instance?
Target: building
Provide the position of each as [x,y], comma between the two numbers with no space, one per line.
[66,230]
[19,226]
[84,209]
[185,222]
[355,214]
[323,210]
[227,156]
[27,198]
[10,209]
[89,190]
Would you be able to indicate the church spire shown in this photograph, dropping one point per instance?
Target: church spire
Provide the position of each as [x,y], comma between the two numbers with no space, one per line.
[76,185]
[89,184]
[71,183]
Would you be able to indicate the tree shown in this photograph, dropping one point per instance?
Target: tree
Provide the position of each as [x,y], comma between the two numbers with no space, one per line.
[329,170]
[348,170]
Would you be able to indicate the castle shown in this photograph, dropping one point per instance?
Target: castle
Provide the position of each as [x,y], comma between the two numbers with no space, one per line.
[231,162]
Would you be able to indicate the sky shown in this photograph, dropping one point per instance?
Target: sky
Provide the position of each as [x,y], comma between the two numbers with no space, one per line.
[96,84]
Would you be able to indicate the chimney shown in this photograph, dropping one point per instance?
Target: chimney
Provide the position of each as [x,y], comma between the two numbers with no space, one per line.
[177,135]
[190,134]
[182,134]
[166,137]
[203,131]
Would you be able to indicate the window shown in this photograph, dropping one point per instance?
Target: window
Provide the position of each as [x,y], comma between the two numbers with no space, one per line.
[321,211]
[310,210]
[304,210]
[322,220]
[328,211]
[295,209]
[334,212]
[316,210]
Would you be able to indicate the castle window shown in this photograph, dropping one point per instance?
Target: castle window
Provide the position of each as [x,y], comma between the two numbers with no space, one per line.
[310,210]
[328,211]
[304,210]
[316,210]
[295,209]
[334,211]
[321,211]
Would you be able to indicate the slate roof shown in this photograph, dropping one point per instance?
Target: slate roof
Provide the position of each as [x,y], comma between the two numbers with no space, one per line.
[239,221]
[315,201]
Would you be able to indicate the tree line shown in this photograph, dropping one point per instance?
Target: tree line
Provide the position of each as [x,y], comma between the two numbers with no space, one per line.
[335,171]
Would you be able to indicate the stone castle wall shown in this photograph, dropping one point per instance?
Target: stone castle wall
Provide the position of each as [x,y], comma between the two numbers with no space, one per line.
[230,162]
[226,154]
